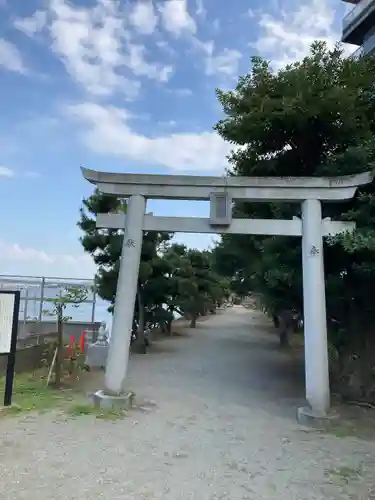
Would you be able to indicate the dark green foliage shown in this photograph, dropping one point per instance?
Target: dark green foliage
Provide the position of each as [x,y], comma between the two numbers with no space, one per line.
[172,278]
[314,118]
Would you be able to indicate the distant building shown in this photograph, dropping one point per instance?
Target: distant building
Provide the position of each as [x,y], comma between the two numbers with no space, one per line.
[358,26]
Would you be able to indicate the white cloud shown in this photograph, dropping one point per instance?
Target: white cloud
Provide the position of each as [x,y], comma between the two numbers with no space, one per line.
[286,36]
[89,43]
[200,9]
[224,63]
[206,47]
[33,24]
[176,18]
[109,132]
[136,61]
[143,17]
[6,172]
[10,57]
[163,45]
[182,92]
[216,25]
[20,260]
[16,259]
[96,46]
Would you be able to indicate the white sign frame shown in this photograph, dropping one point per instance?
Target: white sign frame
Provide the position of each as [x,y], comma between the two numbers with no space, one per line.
[7,319]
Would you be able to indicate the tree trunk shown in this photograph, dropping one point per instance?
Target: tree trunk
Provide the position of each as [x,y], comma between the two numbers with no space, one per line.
[193,321]
[163,327]
[141,312]
[141,341]
[59,356]
[169,327]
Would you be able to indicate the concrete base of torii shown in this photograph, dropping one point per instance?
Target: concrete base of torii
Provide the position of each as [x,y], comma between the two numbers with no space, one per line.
[105,401]
[310,418]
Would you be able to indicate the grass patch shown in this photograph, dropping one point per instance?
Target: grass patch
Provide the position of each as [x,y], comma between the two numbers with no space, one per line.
[345,429]
[345,474]
[82,409]
[30,393]
[342,429]
[353,421]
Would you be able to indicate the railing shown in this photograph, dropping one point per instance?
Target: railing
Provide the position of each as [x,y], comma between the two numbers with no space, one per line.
[357,53]
[369,45]
[356,11]
[37,293]
[367,48]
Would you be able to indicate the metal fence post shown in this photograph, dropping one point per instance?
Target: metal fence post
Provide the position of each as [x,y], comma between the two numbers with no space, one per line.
[25,303]
[41,299]
[93,306]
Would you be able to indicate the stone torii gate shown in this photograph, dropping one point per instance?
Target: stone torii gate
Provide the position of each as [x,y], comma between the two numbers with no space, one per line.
[308,191]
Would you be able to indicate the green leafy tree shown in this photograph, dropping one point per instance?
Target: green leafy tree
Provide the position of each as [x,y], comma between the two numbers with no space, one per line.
[105,247]
[193,287]
[172,278]
[313,118]
[230,261]
[71,296]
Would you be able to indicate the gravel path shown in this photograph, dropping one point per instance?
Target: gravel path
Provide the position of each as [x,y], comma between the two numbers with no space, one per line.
[222,427]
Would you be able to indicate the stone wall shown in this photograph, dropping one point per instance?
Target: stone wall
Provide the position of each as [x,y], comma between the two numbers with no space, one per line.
[27,358]
[45,327]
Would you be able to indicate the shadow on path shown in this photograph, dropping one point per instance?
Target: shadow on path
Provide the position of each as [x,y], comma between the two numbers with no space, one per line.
[230,358]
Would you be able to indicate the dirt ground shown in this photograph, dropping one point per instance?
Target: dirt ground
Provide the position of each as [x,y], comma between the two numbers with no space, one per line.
[216,421]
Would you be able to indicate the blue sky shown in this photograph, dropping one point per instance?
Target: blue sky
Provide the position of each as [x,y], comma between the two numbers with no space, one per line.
[122,86]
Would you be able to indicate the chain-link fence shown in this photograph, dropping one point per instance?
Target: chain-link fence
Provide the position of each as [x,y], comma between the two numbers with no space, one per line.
[36,306]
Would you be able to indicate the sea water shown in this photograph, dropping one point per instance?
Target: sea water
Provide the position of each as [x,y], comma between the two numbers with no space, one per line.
[96,310]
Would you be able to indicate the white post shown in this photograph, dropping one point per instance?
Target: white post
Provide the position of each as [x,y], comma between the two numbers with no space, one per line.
[26,301]
[118,353]
[314,304]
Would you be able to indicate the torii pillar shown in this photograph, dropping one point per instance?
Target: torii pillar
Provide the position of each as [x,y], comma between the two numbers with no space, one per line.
[308,191]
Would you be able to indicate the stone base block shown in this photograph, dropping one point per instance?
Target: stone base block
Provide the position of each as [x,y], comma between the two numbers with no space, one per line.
[96,356]
[308,417]
[108,402]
